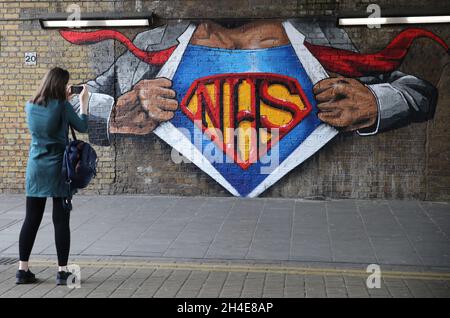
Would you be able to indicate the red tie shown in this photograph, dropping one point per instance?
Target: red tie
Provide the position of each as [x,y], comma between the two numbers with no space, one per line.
[339,61]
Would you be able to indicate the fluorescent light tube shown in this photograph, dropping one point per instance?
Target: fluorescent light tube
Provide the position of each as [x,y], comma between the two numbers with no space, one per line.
[95,23]
[395,20]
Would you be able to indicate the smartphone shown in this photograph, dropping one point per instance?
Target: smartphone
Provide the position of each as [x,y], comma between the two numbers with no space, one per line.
[76,89]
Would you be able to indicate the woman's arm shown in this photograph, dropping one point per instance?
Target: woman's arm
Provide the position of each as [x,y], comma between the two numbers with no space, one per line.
[79,122]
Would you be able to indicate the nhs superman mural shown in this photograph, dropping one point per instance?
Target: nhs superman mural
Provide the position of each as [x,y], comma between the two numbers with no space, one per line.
[249,101]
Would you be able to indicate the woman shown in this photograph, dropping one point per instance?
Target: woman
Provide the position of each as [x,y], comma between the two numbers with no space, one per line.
[49,128]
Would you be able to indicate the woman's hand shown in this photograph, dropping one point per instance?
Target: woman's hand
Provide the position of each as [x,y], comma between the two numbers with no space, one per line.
[84,100]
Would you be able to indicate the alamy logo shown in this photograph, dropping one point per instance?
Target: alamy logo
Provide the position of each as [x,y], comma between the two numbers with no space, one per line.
[75,12]
[74,280]
[374,279]
[375,11]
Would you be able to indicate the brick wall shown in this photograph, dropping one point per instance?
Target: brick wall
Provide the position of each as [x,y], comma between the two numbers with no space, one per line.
[410,162]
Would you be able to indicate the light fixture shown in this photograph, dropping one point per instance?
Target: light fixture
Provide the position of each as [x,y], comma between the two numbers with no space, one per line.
[394,20]
[89,21]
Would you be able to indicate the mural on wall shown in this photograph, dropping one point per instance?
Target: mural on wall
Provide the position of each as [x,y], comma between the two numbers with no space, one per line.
[249,101]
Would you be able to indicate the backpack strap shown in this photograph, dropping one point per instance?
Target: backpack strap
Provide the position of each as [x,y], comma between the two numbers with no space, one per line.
[64,116]
[67,201]
[73,132]
[64,119]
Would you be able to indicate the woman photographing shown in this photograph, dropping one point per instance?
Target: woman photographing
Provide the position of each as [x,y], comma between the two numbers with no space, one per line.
[48,126]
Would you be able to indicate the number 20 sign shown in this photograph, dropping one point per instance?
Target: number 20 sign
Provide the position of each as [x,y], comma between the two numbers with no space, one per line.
[30,58]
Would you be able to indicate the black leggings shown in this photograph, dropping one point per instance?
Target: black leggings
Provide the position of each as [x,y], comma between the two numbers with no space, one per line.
[34,211]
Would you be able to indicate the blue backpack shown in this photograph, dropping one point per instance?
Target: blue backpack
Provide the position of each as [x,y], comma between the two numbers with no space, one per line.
[79,166]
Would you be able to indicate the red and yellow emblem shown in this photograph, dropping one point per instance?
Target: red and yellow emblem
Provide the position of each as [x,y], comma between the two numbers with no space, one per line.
[239,112]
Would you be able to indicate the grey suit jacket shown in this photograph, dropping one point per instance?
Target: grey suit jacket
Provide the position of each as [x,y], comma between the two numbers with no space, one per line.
[401,98]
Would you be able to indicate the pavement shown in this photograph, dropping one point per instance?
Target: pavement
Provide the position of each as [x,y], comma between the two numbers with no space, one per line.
[167,246]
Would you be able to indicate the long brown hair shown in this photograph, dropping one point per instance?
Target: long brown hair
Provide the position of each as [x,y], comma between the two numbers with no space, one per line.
[53,86]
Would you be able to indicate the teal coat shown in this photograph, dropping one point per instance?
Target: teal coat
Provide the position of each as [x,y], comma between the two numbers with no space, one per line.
[48,140]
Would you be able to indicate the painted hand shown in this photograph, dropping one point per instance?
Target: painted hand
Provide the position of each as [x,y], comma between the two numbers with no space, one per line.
[345,103]
[142,109]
